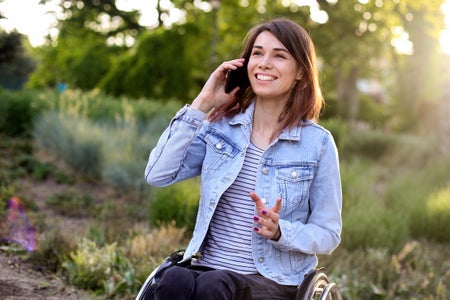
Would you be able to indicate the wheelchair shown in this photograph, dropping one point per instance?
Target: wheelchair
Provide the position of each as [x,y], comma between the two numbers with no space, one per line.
[315,285]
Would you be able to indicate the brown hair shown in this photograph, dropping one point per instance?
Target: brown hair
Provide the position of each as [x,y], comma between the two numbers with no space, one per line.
[306,99]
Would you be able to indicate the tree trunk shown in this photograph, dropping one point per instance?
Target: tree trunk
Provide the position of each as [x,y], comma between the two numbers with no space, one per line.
[347,94]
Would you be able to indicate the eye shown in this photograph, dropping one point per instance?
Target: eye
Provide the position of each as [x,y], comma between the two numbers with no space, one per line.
[256,52]
[280,55]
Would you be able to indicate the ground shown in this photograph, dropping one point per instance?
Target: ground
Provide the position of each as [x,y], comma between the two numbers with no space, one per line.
[19,279]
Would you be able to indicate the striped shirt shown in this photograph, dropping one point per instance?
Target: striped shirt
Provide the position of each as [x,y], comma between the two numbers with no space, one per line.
[229,240]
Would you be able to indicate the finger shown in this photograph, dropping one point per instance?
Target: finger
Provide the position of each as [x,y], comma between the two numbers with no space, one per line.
[258,203]
[266,232]
[232,64]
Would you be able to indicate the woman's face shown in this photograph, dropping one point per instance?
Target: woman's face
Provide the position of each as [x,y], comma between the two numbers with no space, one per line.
[272,70]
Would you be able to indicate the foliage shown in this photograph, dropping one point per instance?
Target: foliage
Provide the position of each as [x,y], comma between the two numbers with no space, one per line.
[147,249]
[178,202]
[437,216]
[70,203]
[72,140]
[139,74]
[15,63]
[372,144]
[82,30]
[54,248]
[17,112]
[366,221]
[103,269]
[419,270]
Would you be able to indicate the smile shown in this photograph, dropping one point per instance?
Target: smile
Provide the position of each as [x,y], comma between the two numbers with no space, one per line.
[265,77]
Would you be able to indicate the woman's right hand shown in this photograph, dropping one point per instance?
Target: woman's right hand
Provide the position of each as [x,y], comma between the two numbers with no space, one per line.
[213,93]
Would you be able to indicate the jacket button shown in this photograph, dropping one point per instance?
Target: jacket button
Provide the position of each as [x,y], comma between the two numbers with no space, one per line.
[260,259]
[294,174]
[219,145]
[265,171]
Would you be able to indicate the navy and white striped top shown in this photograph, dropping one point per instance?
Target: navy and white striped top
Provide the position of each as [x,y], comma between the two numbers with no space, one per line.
[228,243]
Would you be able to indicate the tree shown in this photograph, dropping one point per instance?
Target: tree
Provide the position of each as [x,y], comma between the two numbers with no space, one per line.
[419,75]
[91,33]
[15,63]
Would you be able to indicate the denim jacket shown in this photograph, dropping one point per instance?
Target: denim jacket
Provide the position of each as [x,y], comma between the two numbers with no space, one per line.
[301,165]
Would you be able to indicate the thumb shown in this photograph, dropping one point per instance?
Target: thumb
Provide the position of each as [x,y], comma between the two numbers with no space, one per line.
[277,207]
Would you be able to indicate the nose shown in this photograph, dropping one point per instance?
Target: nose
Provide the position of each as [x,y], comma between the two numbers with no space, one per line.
[265,62]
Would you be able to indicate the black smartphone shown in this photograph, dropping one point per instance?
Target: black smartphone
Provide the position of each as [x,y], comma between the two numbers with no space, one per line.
[236,78]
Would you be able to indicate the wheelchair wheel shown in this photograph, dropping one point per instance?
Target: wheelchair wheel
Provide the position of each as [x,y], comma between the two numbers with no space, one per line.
[316,286]
[331,292]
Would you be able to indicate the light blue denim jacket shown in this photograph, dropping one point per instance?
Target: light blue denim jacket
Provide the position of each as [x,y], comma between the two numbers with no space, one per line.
[301,166]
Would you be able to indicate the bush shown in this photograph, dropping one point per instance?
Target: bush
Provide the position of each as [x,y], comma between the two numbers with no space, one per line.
[103,269]
[17,112]
[73,140]
[178,202]
[436,217]
[367,223]
[368,143]
[53,250]
[419,270]
[70,203]
[148,249]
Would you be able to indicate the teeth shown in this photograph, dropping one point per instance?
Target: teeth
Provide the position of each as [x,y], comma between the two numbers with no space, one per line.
[264,77]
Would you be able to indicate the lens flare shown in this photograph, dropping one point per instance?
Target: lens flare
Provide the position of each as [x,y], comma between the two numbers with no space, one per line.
[17,226]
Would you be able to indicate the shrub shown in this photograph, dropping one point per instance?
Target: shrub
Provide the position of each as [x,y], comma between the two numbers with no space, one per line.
[419,270]
[178,202]
[72,139]
[148,249]
[369,143]
[17,112]
[53,250]
[436,223]
[103,269]
[70,203]
[367,223]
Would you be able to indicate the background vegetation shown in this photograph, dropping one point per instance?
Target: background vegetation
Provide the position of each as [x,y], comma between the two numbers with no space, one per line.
[90,142]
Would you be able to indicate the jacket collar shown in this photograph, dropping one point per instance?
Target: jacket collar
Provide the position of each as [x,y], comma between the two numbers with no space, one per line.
[245,118]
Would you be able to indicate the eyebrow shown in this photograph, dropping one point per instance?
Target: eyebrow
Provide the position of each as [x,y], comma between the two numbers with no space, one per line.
[276,49]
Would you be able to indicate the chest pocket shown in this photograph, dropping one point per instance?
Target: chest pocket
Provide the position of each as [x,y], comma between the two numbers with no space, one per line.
[219,151]
[293,185]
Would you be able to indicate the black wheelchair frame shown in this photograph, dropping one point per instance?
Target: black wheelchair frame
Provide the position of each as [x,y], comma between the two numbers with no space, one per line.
[315,285]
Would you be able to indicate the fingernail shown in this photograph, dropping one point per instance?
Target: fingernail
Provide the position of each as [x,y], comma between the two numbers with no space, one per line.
[264,211]
[255,218]
[255,228]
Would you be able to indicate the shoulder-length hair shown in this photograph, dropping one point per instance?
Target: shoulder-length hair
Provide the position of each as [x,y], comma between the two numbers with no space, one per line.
[306,99]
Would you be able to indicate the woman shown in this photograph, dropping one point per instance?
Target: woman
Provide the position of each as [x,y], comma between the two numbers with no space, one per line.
[270,184]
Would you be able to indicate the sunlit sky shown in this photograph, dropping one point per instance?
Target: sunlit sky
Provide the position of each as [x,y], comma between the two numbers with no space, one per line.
[36,20]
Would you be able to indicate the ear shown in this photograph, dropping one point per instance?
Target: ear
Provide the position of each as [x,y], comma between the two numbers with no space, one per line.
[299,75]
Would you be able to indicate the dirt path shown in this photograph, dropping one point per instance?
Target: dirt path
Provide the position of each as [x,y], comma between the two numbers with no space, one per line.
[18,278]
[19,281]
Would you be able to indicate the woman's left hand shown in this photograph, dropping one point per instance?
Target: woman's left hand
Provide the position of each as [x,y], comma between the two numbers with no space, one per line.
[267,218]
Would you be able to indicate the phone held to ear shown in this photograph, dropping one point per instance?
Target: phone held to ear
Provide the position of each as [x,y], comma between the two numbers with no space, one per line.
[237,78]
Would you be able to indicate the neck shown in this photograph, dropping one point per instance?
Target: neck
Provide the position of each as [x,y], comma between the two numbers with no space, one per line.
[265,122]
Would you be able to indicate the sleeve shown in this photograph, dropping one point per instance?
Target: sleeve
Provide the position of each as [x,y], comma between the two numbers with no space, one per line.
[179,153]
[321,233]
